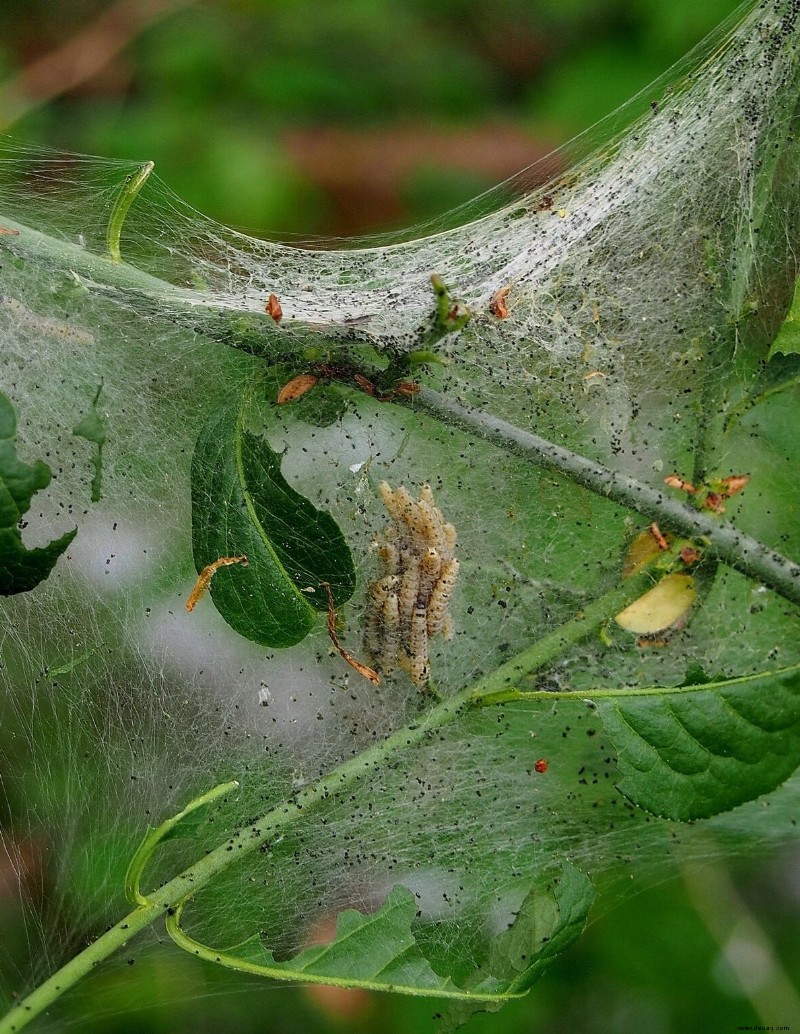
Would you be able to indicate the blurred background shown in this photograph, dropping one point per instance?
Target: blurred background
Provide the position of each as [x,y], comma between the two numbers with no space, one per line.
[330,117]
[303,118]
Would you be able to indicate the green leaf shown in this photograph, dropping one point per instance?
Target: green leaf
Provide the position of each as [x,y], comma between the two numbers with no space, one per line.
[694,752]
[379,951]
[21,569]
[184,824]
[451,314]
[781,373]
[242,505]
[68,666]
[788,340]
[549,920]
[376,951]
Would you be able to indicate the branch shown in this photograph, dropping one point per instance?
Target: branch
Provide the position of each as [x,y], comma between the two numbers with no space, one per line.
[245,841]
[719,538]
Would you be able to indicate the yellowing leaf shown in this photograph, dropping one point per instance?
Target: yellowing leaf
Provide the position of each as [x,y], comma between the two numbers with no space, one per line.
[661,607]
[641,551]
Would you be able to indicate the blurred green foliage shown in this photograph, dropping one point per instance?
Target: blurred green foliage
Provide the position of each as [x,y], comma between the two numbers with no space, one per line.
[230,97]
[234,100]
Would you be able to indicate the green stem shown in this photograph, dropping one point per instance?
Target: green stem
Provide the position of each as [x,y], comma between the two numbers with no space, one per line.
[254,332]
[720,539]
[488,689]
[249,839]
[127,195]
[104,273]
[113,939]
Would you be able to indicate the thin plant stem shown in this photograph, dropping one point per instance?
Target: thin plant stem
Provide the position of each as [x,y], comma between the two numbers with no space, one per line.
[127,195]
[718,538]
[263,830]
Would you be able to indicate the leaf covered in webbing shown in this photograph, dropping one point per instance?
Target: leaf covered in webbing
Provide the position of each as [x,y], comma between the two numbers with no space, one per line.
[379,951]
[243,506]
[21,568]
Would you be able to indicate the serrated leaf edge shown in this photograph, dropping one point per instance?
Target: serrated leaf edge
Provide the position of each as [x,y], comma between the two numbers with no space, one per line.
[659,758]
[447,989]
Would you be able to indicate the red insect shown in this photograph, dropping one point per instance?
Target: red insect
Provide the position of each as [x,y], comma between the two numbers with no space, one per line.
[366,385]
[208,572]
[674,481]
[296,387]
[273,308]
[360,667]
[655,531]
[541,765]
[406,388]
[690,555]
[498,306]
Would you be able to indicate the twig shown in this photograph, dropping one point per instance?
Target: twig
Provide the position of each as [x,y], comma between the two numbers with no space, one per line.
[719,538]
[359,666]
[248,839]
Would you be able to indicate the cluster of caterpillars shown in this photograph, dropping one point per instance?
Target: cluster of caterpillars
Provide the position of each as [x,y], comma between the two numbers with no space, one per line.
[409,602]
